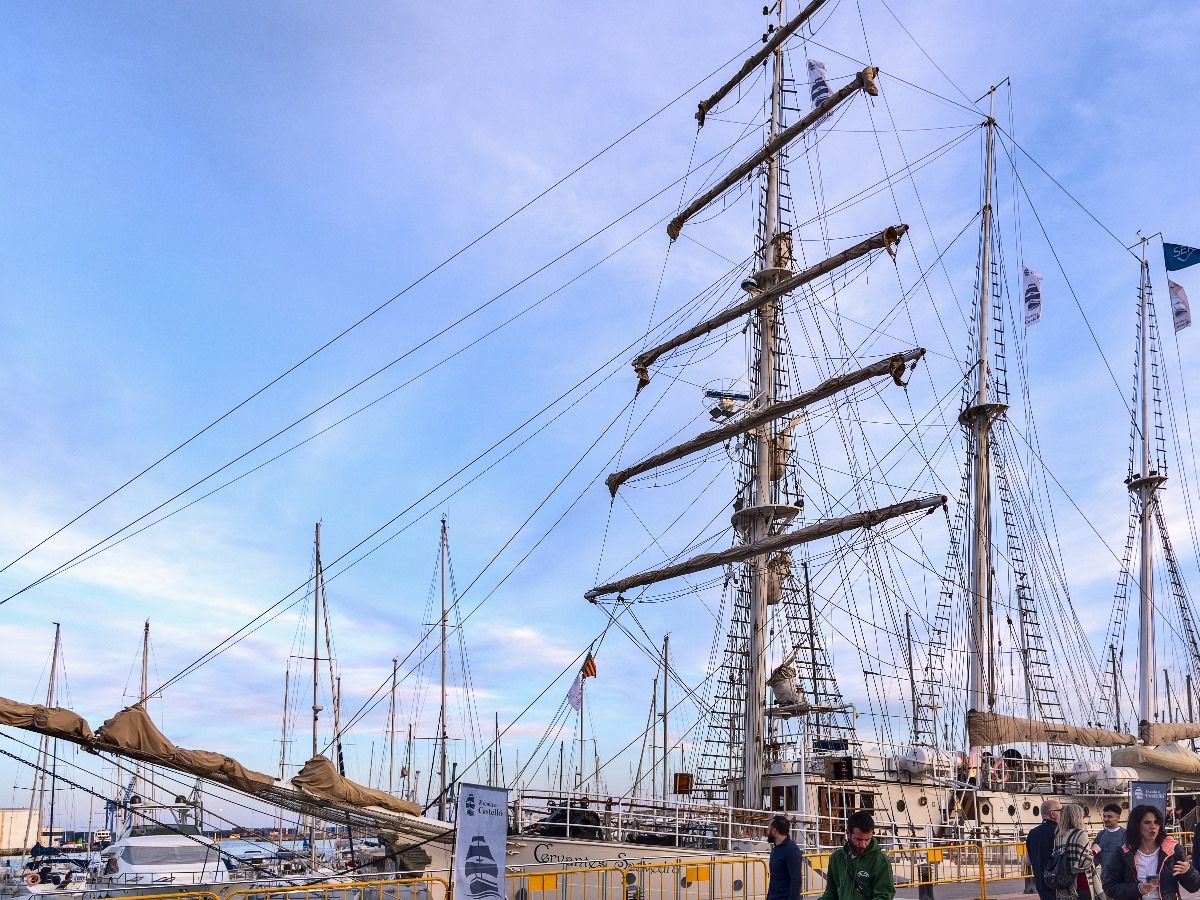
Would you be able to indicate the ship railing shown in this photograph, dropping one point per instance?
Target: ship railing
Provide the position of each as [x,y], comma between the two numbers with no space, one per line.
[696,825]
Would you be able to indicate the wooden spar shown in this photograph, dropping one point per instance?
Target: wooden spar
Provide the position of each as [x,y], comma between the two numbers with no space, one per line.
[865,80]
[893,365]
[828,528]
[886,239]
[780,35]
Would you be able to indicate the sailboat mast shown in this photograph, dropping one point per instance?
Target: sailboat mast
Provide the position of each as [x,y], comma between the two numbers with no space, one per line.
[392,734]
[666,708]
[283,741]
[765,323]
[316,707]
[144,687]
[442,715]
[1146,486]
[978,418]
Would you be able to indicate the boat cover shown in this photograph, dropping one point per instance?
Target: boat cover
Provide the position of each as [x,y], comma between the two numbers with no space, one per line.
[990,729]
[1169,757]
[320,778]
[51,720]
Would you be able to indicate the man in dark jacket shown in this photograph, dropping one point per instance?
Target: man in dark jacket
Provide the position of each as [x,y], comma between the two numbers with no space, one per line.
[859,869]
[1039,844]
[787,862]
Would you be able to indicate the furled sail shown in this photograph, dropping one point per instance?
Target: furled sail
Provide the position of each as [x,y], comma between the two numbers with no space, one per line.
[828,528]
[1170,758]
[864,81]
[132,733]
[780,35]
[885,240]
[1166,732]
[320,778]
[51,720]
[988,729]
[893,365]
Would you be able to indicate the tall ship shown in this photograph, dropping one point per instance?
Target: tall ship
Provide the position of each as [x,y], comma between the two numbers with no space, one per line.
[868,489]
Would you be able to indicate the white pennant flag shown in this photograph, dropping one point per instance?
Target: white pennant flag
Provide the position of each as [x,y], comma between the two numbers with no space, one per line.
[818,86]
[1032,287]
[575,694]
[1181,310]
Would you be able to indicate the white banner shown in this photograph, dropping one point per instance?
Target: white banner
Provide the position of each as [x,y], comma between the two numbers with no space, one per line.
[1032,288]
[480,842]
[818,87]
[1181,310]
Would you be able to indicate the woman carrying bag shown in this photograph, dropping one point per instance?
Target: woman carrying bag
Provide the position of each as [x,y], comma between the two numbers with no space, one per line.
[1072,855]
[1150,866]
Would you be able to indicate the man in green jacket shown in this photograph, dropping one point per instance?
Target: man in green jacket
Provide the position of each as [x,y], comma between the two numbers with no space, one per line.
[859,869]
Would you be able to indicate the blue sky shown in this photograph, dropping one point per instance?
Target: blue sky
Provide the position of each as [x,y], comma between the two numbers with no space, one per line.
[196,197]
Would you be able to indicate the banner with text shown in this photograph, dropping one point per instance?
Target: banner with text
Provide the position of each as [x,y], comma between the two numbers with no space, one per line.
[481,840]
[1149,793]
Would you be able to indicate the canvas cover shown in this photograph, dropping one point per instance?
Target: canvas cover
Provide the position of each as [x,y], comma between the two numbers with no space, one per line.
[1169,757]
[1167,732]
[52,720]
[991,729]
[320,778]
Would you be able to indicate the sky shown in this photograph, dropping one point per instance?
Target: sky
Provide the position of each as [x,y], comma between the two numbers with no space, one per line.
[196,198]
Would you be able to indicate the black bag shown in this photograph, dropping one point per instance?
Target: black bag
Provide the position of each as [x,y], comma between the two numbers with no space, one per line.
[1059,875]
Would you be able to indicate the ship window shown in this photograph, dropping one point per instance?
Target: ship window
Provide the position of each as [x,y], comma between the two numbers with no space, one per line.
[1012,810]
[901,806]
[866,802]
[1037,810]
[191,854]
[777,799]
[791,797]
[986,809]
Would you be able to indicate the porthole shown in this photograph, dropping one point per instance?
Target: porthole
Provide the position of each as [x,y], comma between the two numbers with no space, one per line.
[901,806]
[1012,810]
[1037,810]
[986,809]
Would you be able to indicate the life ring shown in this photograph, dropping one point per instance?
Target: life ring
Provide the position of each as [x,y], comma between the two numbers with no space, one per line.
[999,771]
[33,878]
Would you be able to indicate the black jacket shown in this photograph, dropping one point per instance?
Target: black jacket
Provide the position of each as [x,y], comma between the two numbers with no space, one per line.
[1120,878]
[1039,844]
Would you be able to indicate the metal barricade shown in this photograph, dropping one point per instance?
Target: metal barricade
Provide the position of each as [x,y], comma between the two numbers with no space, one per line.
[425,888]
[740,878]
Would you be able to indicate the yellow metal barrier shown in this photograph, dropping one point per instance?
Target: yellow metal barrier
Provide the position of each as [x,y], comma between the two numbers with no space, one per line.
[431,888]
[741,878]
[131,891]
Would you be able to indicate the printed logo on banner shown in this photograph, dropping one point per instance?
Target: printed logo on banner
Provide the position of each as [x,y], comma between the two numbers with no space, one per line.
[481,840]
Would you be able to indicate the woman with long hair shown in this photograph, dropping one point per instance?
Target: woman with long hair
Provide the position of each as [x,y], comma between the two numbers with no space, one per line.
[1070,842]
[1151,864]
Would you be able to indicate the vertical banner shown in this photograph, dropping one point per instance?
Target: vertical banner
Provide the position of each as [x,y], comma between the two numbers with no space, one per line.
[1032,288]
[480,842]
[1181,310]
[1149,793]
[818,86]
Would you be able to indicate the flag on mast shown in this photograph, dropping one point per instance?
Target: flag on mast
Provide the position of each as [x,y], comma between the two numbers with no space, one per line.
[587,670]
[1181,310]
[1178,256]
